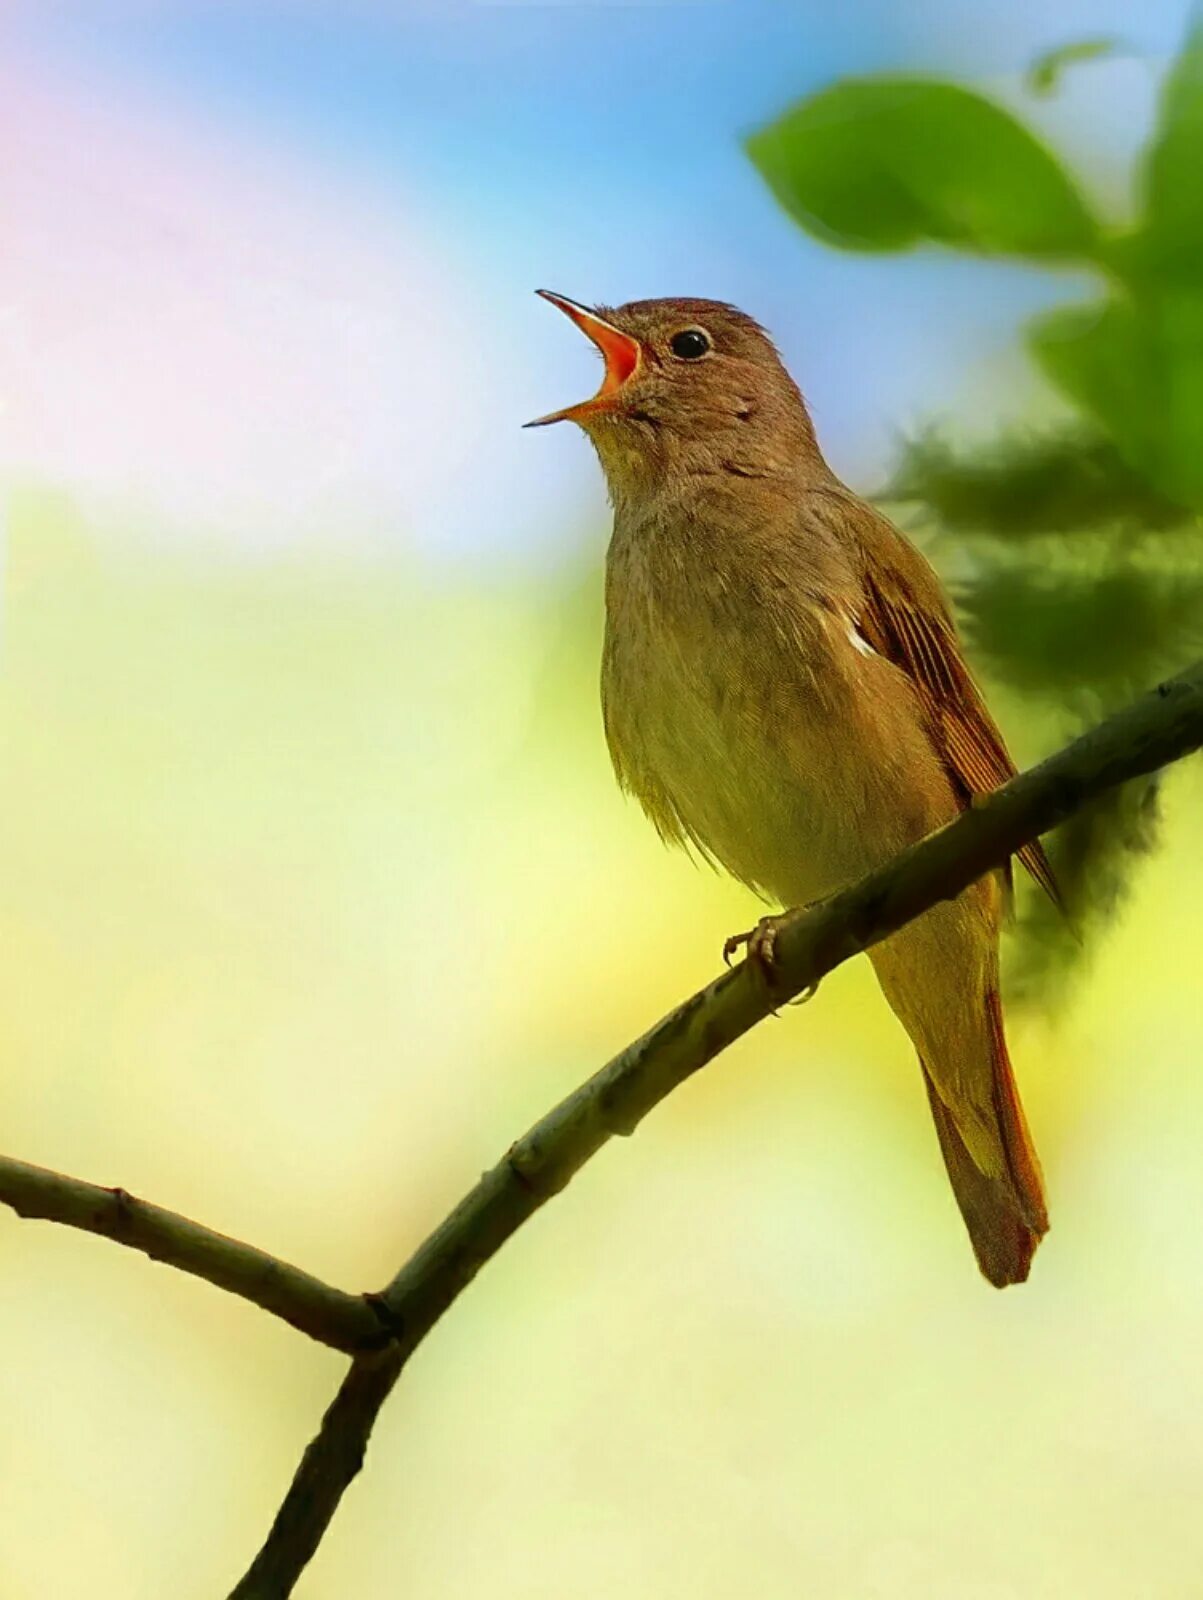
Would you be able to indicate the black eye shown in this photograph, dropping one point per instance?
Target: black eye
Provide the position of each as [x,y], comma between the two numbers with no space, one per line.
[689,344]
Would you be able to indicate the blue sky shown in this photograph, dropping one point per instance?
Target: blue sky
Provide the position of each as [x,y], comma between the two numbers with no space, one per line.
[595,149]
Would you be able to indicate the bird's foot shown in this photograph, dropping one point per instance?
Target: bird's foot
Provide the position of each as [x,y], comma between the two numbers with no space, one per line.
[761,943]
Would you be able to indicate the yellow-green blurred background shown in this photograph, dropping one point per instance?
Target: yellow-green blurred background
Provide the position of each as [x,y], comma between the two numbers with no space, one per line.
[315,888]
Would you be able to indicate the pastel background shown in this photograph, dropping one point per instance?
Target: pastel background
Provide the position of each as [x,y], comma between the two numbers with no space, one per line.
[315,888]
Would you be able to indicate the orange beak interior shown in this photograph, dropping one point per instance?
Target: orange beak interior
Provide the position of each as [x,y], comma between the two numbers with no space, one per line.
[622,356]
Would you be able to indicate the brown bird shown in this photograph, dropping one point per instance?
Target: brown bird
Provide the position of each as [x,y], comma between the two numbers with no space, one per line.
[783,688]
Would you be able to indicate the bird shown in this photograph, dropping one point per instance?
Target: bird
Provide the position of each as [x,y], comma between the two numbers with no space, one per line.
[784,690]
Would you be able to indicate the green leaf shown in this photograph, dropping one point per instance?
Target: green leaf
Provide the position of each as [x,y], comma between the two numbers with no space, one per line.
[1046,71]
[1171,239]
[1136,365]
[882,164]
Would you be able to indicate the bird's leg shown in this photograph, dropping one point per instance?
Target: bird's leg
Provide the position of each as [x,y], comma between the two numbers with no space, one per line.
[761,942]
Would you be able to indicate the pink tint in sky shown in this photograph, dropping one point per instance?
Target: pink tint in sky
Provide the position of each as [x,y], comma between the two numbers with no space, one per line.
[213,338]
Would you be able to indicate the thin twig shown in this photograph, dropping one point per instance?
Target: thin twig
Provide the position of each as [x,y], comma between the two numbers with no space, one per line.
[1159,728]
[349,1322]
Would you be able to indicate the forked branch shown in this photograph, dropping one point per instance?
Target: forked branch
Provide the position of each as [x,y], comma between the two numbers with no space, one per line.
[382,1330]
[1160,728]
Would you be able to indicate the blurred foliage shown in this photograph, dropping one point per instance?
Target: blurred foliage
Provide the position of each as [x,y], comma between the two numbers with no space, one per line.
[1094,857]
[1045,73]
[1097,628]
[1078,563]
[1062,480]
[882,164]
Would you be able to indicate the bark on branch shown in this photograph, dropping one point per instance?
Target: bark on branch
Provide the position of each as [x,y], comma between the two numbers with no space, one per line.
[349,1322]
[1158,729]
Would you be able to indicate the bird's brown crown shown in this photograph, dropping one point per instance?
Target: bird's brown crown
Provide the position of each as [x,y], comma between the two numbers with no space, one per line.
[732,333]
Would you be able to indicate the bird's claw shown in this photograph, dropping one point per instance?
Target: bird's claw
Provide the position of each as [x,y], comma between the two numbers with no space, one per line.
[761,943]
[808,993]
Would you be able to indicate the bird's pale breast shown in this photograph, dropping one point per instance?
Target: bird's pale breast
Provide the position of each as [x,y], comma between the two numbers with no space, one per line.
[751,721]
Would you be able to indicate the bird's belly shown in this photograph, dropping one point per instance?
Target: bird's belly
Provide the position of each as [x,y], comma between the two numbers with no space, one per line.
[753,769]
[761,819]
[797,763]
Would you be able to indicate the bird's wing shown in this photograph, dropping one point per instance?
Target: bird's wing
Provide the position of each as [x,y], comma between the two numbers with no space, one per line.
[906,619]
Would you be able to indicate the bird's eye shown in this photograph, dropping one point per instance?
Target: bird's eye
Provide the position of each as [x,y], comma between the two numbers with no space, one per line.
[690,343]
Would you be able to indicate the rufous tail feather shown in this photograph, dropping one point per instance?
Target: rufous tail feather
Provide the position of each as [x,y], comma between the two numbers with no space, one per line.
[1005,1215]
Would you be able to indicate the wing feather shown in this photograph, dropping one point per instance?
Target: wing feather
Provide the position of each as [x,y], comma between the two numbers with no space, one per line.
[906,620]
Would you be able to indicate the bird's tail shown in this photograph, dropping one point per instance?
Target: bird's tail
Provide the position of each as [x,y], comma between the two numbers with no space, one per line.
[1005,1214]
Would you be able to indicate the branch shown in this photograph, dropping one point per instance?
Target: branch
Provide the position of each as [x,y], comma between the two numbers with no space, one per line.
[1158,729]
[349,1322]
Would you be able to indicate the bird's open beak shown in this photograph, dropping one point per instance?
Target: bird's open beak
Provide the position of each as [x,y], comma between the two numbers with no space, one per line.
[621,351]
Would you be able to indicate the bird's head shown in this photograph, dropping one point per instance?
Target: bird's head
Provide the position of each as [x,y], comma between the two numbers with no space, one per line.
[690,386]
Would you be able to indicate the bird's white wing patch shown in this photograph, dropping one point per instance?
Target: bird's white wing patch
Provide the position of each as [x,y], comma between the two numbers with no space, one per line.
[859,642]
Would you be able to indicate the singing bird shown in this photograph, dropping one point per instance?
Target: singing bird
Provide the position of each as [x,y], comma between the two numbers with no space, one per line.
[783,689]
